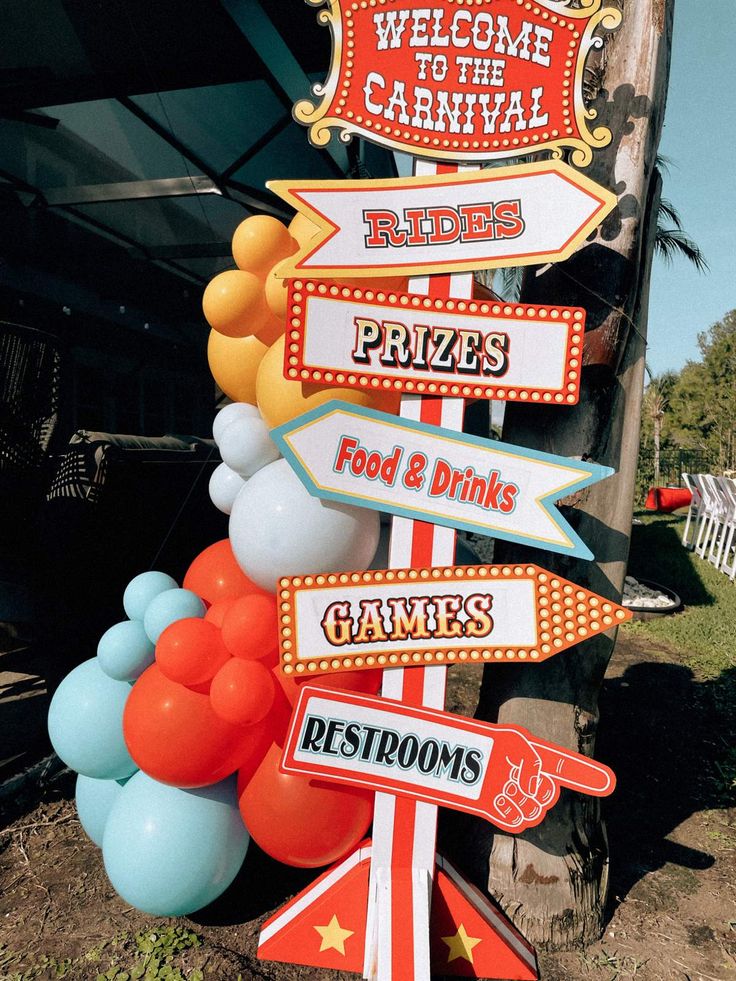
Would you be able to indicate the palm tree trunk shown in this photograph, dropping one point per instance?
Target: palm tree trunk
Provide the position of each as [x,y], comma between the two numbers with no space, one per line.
[552,880]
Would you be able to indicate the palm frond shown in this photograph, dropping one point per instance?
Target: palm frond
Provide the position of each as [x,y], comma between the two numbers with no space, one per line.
[668,212]
[671,242]
[662,163]
[511,278]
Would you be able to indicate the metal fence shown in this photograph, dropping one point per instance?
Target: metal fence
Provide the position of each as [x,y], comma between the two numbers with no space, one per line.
[672,464]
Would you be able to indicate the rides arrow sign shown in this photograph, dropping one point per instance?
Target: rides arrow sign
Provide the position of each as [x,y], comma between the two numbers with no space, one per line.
[443,223]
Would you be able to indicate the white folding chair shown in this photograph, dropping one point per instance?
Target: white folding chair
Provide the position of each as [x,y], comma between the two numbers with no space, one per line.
[728,551]
[693,511]
[707,516]
[720,518]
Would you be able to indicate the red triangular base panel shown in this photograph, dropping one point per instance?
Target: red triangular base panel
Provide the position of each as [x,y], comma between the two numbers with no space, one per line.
[470,937]
[324,926]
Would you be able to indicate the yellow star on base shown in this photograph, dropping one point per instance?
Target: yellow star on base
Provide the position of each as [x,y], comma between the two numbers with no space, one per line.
[461,945]
[333,936]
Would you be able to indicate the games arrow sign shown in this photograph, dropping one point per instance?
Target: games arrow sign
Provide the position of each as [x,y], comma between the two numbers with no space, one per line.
[444,223]
[355,455]
[500,773]
[418,617]
[379,339]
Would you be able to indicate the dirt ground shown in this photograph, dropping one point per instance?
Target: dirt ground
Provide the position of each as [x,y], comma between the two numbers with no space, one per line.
[672,911]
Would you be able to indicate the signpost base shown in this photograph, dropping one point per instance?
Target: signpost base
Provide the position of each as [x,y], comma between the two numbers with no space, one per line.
[325,926]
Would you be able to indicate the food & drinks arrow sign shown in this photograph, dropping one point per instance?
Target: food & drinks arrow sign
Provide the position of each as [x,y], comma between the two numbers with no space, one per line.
[444,223]
[380,339]
[493,78]
[500,773]
[447,615]
[355,455]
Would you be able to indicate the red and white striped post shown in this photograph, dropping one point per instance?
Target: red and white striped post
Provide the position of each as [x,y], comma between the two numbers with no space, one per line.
[404,831]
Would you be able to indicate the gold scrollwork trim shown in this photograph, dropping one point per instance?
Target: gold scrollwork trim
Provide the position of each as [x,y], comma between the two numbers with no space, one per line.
[307,112]
[609,19]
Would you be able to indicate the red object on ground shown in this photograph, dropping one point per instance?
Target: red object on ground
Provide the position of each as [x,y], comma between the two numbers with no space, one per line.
[668,499]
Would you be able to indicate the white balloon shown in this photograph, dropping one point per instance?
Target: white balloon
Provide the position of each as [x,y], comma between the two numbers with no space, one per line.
[228,414]
[278,529]
[225,485]
[246,446]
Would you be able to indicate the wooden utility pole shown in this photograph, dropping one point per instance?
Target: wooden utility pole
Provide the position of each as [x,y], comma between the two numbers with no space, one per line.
[552,880]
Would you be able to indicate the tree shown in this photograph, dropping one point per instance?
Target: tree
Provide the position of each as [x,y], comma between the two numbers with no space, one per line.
[552,880]
[655,404]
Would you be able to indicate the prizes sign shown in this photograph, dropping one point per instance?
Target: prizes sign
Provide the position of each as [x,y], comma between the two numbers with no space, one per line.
[370,339]
[462,82]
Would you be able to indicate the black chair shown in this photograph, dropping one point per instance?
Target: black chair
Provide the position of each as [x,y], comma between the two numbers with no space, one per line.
[118,506]
[31,391]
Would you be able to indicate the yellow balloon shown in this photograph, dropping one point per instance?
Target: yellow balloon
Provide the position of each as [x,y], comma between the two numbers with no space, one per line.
[260,242]
[276,293]
[272,331]
[234,303]
[281,400]
[234,363]
[302,229]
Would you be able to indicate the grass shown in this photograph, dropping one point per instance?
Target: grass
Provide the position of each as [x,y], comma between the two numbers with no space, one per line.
[150,955]
[619,966]
[703,633]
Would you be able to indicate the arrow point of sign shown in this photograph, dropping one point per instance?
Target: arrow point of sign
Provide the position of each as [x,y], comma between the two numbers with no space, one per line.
[590,473]
[558,536]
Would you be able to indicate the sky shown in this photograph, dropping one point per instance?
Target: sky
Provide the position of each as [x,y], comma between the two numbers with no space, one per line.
[699,140]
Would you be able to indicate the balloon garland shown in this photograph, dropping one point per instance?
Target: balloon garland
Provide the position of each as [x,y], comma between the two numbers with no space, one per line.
[175,727]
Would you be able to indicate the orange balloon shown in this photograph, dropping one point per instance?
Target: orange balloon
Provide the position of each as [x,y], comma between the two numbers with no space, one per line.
[216,613]
[300,821]
[280,400]
[234,363]
[191,652]
[174,736]
[369,682]
[243,692]
[276,293]
[215,575]
[234,303]
[302,229]
[261,241]
[250,627]
[273,329]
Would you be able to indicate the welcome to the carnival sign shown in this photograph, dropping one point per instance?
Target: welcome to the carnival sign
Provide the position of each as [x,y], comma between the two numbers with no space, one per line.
[460,80]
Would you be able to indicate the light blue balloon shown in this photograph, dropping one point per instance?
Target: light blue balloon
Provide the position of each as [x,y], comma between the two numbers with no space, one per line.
[94,802]
[86,723]
[169,852]
[140,591]
[124,651]
[168,607]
